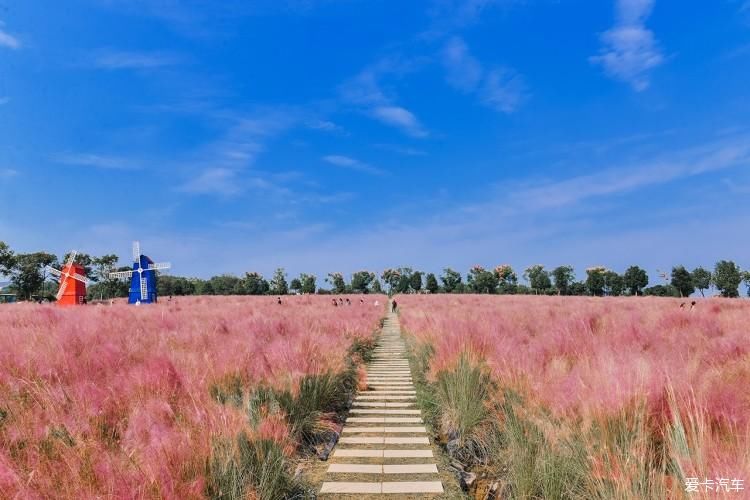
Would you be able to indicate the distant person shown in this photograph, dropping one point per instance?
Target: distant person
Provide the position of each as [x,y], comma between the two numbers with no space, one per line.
[377,303]
[361,302]
[692,305]
[682,306]
[335,304]
[341,301]
[394,306]
[348,302]
[278,301]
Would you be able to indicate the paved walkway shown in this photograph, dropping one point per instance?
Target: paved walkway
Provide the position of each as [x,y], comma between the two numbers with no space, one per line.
[384,447]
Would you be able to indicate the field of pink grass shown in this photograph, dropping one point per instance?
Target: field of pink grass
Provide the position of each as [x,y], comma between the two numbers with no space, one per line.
[584,358]
[114,401]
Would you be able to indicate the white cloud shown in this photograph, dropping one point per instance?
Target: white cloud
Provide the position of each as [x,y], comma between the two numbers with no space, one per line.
[7,173]
[325,126]
[501,89]
[7,40]
[463,70]
[364,90]
[213,181]
[4,100]
[112,59]
[401,118]
[352,164]
[630,50]
[96,161]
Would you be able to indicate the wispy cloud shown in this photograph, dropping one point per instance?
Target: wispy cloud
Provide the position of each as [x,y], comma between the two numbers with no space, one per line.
[114,59]
[221,167]
[325,126]
[401,118]
[463,71]
[364,90]
[402,150]
[4,100]
[711,157]
[352,164]
[501,89]
[630,50]
[449,15]
[96,161]
[8,173]
[7,40]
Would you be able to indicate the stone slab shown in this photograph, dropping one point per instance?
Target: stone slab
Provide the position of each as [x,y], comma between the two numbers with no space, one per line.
[355,469]
[407,453]
[412,487]
[410,469]
[344,487]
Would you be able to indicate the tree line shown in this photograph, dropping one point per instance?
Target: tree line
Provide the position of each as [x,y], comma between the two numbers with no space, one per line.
[29,280]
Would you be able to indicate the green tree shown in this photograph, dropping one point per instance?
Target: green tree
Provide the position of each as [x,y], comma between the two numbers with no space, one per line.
[361,281]
[746,278]
[538,278]
[727,278]
[337,282]
[636,279]
[451,280]
[391,277]
[7,259]
[507,280]
[254,284]
[578,288]
[431,283]
[595,280]
[682,281]
[28,274]
[416,281]
[404,280]
[701,279]
[175,285]
[661,291]
[110,287]
[614,284]
[564,277]
[376,287]
[308,283]
[226,284]
[278,283]
[295,285]
[481,280]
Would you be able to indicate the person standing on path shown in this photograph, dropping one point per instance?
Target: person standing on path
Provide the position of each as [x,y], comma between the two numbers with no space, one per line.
[394,306]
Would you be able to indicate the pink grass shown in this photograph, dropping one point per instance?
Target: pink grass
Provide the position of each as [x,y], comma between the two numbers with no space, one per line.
[130,386]
[591,357]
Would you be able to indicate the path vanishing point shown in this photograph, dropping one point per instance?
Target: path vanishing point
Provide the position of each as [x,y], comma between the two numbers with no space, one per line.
[384,446]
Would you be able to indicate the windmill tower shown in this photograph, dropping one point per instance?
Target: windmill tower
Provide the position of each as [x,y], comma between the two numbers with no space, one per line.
[72,291]
[142,277]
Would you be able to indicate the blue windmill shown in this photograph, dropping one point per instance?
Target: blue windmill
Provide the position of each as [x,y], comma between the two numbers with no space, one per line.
[142,277]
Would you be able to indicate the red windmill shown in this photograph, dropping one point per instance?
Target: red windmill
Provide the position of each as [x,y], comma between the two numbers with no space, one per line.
[73,283]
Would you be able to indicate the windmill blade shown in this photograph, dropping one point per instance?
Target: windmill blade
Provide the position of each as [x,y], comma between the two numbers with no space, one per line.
[160,265]
[121,274]
[54,271]
[144,288]
[61,291]
[71,258]
[137,251]
[82,279]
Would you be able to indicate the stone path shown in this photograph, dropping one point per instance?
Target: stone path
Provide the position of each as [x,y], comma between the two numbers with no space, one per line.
[384,447]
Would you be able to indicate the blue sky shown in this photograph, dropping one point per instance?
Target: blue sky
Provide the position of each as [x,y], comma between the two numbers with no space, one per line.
[324,135]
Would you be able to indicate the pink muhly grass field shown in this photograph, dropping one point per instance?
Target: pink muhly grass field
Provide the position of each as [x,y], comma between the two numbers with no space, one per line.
[115,400]
[587,357]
